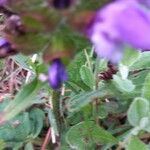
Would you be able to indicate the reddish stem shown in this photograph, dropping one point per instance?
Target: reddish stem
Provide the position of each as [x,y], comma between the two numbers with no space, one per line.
[47,139]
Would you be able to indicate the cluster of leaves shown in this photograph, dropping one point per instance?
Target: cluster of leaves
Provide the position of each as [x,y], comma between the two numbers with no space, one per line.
[126,96]
[93,113]
[22,129]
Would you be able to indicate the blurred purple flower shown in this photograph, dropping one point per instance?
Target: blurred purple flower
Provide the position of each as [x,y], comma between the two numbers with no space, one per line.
[3,42]
[57,74]
[6,48]
[146,3]
[119,24]
[14,25]
[61,4]
[3,2]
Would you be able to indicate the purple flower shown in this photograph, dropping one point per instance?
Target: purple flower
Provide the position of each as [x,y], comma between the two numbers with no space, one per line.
[6,48]
[120,24]
[4,42]
[145,3]
[61,4]
[14,25]
[3,2]
[57,74]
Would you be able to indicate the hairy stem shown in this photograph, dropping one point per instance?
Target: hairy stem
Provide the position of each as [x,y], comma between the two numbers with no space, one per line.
[56,109]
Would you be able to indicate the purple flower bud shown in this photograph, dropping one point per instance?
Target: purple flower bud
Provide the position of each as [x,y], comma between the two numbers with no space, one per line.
[119,24]
[61,4]
[5,48]
[14,25]
[3,42]
[57,74]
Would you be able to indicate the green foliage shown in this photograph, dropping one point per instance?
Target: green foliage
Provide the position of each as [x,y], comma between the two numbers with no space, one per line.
[139,109]
[81,100]
[146,88]
[36,117]
[130,57]
[73,70]
[86,134]
[142,62]
[136,144]
[29,146]
[129,88]
[17,129]
[22,100]
[123,85]
[2,144]
[87,76]
[23,127]
[90,113]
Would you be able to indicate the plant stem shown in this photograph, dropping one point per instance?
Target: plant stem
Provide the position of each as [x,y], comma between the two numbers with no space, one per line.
[46,140]
[96,102]
[56,109]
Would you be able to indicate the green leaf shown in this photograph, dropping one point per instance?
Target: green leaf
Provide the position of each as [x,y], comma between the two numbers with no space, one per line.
[142,62]
[29,146]
[138,80]
[139,109]
[22,100]
[146,88]
[16,129]
[16,145]
[37,118]
[74,87]
[25,125]
[102,112]
[80,100]
[130,56]
[87,76]
[5,102]
[86,134]
[123,85]
[75,118]
[2,144]
[101,65]
[136,144]
[74,71]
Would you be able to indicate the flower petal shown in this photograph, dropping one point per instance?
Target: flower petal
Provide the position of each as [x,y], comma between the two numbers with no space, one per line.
[134,27]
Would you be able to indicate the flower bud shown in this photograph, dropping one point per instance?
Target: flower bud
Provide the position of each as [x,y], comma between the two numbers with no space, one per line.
[57,74]
[61,4]
[14,25]
[5,48]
